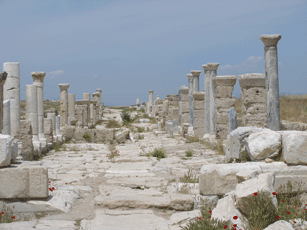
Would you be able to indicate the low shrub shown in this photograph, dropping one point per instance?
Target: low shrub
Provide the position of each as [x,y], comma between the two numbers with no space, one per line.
[159,153]
[113,124]
[189,153]
[87,136]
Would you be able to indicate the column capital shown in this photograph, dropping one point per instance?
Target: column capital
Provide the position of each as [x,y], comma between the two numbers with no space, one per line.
[213,66]
[150,91]
[64,86]
[205,67]
[38,77]
[96,94]
[195,72]
[270,39]
[3,76]
[252,80]
[189,76]
[227,80]
[99,90]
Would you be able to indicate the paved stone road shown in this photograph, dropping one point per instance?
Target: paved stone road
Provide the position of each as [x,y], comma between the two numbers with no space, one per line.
[130,191]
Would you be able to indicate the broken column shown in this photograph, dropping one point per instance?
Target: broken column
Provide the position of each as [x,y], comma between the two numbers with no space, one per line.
[223,87]
[6,118]
[190,79]
[271,80]
[87,96]
[57,124]
[3,76]
[199,119]
[52,117]
[100,96]
[253,97]
[64,103]
[11,90]
[179,107]
[38,80]
[184,105]
[32,113]
[48,130]
[151,102]
[71,108]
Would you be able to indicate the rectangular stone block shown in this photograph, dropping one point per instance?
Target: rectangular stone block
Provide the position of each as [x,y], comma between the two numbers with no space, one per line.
[24,182]
[5,150]
[185,107]
[259,118]
[184,97]
[199,132]
[199,114]
[184,118]
[221,131]
[253,95]
[223,91]
[225,103]
[256,108]
[221,118]
[199,105]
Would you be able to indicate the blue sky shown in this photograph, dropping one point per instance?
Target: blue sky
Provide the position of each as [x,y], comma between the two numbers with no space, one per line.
[129,47]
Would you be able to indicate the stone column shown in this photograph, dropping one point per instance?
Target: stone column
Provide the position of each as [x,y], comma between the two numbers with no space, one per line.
[179,107]
[207,99]
[64,103]
[71,108]
[91,113]
[57,124]
[100,96]
[184,105]
[199,119]
[6,118]
[52,117]
[253,97]
[151,97]
[38,80]
[86,96]
[165,107]
[212,69]
[96,97]
[190,79]
[32,113]
[223,87]
[195,74]
[271,80]
[3,76]
[11,90]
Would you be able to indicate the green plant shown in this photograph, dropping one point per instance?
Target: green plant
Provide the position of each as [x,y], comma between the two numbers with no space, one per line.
[78,222]
[140,137]
[159,153]
[140,129]
[142,110]
[220,148]
[192,139]
[113,124]
[87,136]
[67,140]
[6,215]
[57,147]
[189,153]
[126,116]
[190,177]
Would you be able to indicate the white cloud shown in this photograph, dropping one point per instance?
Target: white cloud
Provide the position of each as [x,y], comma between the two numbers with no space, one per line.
[56,73]
[250,65]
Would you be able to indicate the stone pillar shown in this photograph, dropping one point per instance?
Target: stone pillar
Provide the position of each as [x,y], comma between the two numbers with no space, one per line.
[223,87]
[195,74]
[100,96]
[6,118]
[184,105]
[32,113]
[207,98]
[91,113]
[86,96]
[190,79]
[179,107]
[96,97]
[271,80]
[151,97]
[38,80]
[71,108]
[48,130]
[52,117]
[165,107]
[3,76]
[199,119]
[57,124]
[212,69]
[232,120]
[11,90]
[253,97]
[64,103]
[79,116]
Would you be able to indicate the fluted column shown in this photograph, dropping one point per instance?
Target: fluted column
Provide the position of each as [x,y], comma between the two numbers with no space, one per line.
[151,97]
[3,76]
[63,104]
[11,90]
[38,80]
[271,79]
[207,98]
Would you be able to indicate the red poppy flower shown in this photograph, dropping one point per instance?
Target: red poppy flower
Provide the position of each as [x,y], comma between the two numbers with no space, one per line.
[235,217]
[235,225]
[255,193]
[65,183]
[210,211]
[283,200]
[288,212]
[50,189]
[296,214]
[53,188]
[49,182]
[274,193]
[13,217]
[295,206]
[277,217]
[136,176]
[199,218]
[294,221]
[225,226]
[2,212]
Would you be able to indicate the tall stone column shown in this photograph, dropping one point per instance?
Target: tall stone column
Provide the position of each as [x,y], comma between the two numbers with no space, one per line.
[195,74]
[199,119]
[271,80]
[38,80]
[52,117]
[71,108]
[11,90]
[64,103]
[100,96]
[3,76]
[151,102]
[190,79]
[212,69]
[207,99]
[32,113]
[184,105]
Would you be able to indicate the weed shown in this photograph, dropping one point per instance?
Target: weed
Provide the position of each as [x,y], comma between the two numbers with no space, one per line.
[87,136]
[113,124]
[6,215]
[192,139]
[140,129]
[142,110]
[140,137]
[189,153]
[159,153]
[57,147]
[126,116]
[190,177]
[78,222]
[67,140]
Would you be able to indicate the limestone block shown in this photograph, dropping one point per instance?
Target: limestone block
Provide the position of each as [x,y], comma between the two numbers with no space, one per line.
[122,136]
[25,136]
[14,150]
[256,108]
[280,225]
[48,130]
[100,135]
[68,131]
[5,150]
[170,125]
[263,144]
[246,175]
[185,107]
[251,80]
[78,134]
[184,97]
[24,182]
[224,103]
[110,135]
[199,96]
[199,122]
[232,120]
[253,95]
[236,138]
[224,175]
[223,91]
[221,131]
[221,118]
[260,118]
[294,147]
[199,105]
[199,114]
[185,118]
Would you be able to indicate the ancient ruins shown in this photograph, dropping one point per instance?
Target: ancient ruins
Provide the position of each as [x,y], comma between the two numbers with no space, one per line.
[107,177]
